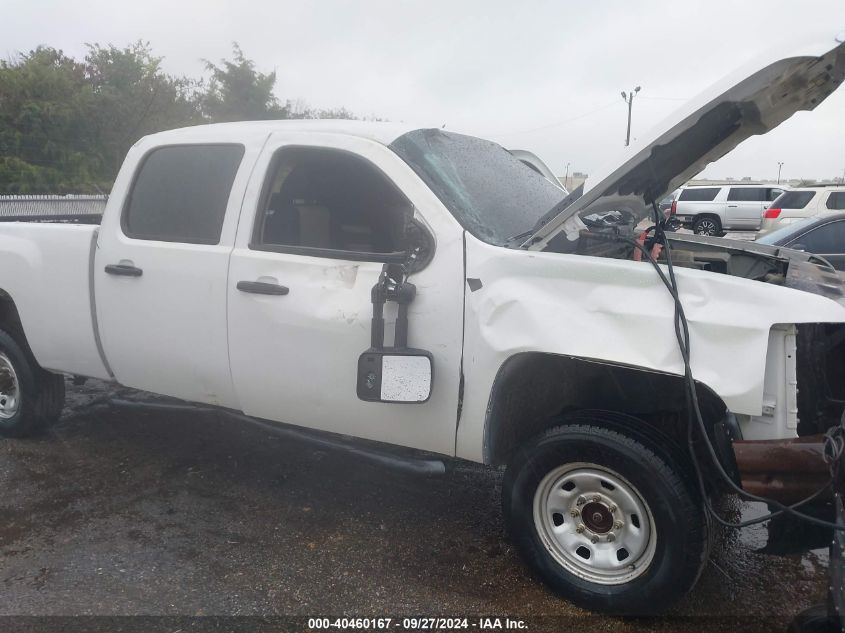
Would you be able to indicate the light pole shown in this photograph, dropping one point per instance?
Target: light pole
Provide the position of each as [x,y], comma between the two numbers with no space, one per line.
[566,178]
[630,99]
[780,166]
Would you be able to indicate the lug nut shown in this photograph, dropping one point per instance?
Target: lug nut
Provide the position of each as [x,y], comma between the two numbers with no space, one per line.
[580,501]
[595,499]
[574,513]
[618,525]
[594,539]
[580,528]
[612,508]
[610,538]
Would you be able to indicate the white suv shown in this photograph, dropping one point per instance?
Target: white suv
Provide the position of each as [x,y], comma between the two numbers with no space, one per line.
[802,203]
[714,209]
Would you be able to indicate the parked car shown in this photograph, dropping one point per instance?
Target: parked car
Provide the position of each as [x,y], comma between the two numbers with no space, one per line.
[805,202]
[714,209]
[423,289]
[822,235]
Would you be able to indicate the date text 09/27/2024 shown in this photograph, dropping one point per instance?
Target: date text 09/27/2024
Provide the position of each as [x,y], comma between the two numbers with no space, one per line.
[418,623]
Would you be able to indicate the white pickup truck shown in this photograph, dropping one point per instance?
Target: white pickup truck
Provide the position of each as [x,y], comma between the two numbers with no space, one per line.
[426,289]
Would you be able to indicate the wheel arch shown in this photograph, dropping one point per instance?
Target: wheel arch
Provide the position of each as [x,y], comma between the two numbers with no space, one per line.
[10,319]
[534,391]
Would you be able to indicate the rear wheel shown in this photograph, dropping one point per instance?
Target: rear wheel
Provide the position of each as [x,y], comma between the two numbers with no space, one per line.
[707,225]
[607,522]
[30,398]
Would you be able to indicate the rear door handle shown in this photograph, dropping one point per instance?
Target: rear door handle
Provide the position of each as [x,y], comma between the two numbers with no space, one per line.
[262,288]
[732,206]
[126,270]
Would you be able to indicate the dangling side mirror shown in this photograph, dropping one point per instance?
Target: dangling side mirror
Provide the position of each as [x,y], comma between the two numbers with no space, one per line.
[395,375]
[399,373]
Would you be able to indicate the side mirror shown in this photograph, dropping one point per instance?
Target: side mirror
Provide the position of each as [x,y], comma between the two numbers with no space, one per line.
[395,375]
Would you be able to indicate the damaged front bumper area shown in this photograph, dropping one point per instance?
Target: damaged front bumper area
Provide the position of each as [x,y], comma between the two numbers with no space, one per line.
[781,452]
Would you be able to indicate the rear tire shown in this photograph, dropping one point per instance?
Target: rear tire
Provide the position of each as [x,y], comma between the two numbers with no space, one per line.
[605,521]
[30,398]
[707,225]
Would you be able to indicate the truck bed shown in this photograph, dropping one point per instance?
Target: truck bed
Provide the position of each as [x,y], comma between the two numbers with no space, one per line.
[46,270]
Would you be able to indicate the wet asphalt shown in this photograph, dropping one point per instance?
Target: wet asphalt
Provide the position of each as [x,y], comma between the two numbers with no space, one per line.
[125,511]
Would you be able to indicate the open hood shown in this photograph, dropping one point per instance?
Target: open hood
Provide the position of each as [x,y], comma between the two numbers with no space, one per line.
[753,100]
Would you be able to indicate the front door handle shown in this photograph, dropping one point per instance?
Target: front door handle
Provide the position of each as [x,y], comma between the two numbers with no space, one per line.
[262,288]
[732,206]
[126,270]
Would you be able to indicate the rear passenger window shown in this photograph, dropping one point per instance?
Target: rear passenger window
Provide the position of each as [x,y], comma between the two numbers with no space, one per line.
[699,194]
[180,193]
[773,194]
[836,200]
[746,194]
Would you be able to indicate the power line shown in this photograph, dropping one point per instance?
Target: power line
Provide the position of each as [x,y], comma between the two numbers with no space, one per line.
[664,98]
[557,123]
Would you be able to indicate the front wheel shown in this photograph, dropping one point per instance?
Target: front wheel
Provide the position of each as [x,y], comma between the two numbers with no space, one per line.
[604,520]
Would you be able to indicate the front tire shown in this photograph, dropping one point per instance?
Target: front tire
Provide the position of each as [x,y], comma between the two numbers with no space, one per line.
[607,522]
[30,398]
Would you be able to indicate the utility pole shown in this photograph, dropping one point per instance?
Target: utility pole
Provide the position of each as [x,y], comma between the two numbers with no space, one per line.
[566,178]
[780,166]
[630,99]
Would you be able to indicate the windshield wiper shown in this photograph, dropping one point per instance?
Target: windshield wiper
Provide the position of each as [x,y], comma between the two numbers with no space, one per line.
[518,238]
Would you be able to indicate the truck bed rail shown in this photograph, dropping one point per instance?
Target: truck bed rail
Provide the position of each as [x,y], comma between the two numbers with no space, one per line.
[48,208]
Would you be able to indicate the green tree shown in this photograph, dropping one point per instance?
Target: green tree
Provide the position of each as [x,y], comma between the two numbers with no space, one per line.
[238,92]
[66,125]
[45,125]
[133,97]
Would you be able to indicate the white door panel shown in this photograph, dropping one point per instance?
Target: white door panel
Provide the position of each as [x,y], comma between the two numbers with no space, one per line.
[294,357]
[165,330]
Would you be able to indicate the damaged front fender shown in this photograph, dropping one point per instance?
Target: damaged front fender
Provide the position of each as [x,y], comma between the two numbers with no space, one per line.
[618,312]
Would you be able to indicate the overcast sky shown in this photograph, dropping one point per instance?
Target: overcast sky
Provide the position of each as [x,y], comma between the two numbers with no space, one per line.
[543,76]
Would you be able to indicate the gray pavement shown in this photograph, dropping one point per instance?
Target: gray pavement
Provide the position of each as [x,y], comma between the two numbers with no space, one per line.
[129,511]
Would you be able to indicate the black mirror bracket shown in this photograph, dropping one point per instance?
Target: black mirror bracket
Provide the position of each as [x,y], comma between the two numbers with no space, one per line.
[392,285]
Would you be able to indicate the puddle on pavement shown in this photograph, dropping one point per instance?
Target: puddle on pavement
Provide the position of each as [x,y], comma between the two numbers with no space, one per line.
[786,536]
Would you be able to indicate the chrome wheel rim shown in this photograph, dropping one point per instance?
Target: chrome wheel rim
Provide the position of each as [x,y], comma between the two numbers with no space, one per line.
[594,523]
[706,227]
[9,388]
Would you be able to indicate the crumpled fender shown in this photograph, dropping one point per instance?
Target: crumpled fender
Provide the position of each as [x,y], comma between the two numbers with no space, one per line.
[618,312]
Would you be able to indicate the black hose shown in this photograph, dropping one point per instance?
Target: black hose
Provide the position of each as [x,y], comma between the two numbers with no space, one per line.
[694,410]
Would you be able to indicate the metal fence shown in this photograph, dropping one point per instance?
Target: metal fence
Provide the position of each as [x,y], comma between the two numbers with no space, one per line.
[52,208]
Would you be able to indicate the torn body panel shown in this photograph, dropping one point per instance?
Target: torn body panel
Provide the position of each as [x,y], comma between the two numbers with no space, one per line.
[618,312]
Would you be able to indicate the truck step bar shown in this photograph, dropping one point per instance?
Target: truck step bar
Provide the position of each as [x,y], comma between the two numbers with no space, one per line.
[391,459]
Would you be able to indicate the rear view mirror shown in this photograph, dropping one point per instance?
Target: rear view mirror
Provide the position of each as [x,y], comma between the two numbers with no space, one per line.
[395,375]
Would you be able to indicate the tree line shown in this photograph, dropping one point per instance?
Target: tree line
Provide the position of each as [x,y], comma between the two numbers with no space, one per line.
[66,124]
